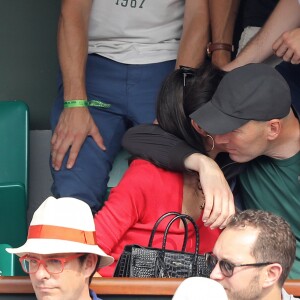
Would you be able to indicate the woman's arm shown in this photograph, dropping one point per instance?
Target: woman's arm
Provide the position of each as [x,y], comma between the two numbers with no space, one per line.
[168,151]
[154,144]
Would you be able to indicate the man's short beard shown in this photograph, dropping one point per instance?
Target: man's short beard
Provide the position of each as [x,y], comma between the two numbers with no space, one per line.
[252,292]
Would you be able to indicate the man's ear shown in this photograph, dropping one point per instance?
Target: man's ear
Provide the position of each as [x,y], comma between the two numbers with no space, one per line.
[272,275]
[90,264]
[274,128]
[198,128]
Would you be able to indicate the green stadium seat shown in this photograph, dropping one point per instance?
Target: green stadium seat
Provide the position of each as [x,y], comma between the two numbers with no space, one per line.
[13,214]
[14,132]
[119,167]
[7,261]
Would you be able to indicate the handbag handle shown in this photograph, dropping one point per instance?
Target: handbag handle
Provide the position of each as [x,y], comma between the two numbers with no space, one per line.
[163,250]
[182,217]
[172,213]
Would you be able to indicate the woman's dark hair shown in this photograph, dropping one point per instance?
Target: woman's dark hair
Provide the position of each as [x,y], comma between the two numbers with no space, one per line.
[182,93]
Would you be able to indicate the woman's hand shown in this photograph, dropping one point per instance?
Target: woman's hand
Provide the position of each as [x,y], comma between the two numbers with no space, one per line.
[219,203]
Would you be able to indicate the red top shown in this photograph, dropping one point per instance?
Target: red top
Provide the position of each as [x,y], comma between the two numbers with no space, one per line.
[144,194]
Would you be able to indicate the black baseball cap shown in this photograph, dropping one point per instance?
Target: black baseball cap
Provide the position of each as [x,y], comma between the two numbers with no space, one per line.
[252,92]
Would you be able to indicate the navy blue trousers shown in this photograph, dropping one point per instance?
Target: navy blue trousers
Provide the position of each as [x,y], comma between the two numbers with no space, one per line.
[132,91]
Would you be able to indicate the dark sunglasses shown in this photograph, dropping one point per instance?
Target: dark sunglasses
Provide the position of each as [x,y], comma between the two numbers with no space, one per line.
[227,267]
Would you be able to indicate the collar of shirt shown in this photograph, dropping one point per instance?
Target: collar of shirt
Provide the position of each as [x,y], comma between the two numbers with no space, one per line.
[94,295]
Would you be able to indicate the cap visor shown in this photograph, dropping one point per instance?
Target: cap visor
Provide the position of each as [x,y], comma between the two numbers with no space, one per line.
[214,121]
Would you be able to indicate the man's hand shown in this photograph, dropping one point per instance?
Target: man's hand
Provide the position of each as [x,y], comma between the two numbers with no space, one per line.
[74,125]
[219,204]
[287,46]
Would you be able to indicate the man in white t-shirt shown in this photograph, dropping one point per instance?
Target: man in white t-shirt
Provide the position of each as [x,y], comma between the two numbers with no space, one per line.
[113,57]
[116,53]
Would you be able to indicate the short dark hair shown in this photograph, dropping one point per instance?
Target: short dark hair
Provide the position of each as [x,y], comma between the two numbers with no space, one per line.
[275,241]
[176,102]
[82,260]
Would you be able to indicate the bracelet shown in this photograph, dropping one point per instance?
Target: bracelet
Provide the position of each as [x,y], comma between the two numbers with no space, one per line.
[75,103]
[85,103]
[211,47]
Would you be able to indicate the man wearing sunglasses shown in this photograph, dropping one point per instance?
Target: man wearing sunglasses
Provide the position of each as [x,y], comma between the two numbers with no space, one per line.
[253,256]
[61,254]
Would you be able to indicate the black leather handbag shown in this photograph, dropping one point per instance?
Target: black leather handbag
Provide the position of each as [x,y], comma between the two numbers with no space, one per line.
[148,262]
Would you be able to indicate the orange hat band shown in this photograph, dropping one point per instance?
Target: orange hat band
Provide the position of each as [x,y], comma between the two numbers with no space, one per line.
[61,233]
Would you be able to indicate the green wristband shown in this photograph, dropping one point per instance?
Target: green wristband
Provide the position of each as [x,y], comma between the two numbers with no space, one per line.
[75,103]
[85,103]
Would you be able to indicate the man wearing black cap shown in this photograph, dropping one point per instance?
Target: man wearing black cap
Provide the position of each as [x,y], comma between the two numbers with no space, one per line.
[247,112]
[249,116]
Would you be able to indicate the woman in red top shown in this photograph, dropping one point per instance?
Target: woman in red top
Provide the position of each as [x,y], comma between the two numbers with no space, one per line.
[146,191]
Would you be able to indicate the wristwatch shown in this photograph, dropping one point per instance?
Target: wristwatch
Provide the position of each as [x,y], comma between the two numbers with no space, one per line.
[211,47]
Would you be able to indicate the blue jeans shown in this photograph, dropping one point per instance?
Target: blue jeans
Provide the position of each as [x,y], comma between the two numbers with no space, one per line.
[132,92]
[291,73]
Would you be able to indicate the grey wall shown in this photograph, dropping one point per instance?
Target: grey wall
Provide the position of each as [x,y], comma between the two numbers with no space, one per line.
[28,70]
[28,60]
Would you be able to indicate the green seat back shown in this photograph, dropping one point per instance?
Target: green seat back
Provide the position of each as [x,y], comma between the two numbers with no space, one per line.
[14,138]
[6,261]
[13,219]
[14,122]
[119,167]
[13,216]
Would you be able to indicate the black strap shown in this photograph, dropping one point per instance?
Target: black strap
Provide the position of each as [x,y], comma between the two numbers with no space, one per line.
[172,213]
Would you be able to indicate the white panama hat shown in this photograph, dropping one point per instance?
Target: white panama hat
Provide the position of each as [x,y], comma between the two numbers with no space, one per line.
[63,225]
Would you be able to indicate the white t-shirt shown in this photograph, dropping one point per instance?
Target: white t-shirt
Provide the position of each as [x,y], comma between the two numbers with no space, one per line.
[136,31]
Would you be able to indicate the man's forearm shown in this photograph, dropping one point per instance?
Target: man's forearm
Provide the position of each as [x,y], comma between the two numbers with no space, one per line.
[195,33]
[223,15]
[285,16]
[72,46]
